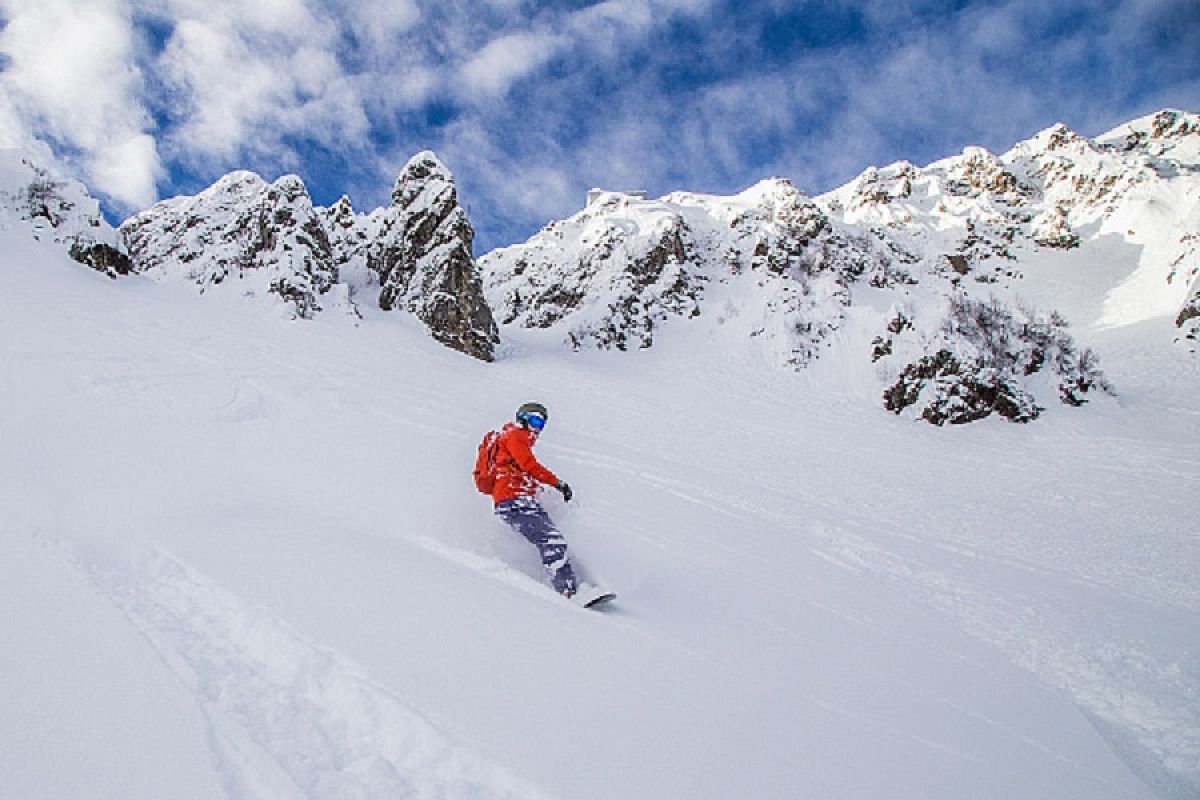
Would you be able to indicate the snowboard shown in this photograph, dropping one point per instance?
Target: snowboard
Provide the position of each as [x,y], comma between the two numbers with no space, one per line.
[590,596]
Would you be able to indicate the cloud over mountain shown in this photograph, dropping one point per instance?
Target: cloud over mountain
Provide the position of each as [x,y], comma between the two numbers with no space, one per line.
[533,102]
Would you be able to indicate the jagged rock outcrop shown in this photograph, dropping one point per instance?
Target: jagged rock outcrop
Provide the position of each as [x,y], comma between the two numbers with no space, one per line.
[268,240]
[613,290]
[58,210]
[981,361]
[614,274]
[102,257]
[1188,319]
[260,238]
[421,255]
[1185,269]
[996,210]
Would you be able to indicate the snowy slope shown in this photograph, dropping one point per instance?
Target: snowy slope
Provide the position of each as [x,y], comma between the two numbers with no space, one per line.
[242,557]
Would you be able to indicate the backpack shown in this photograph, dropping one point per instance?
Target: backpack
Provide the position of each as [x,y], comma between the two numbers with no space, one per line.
[485,462]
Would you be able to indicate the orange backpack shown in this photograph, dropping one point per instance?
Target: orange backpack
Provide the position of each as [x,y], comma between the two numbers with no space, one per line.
[485,462]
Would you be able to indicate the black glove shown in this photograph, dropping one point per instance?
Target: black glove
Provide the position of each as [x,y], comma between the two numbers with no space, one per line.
[565,488]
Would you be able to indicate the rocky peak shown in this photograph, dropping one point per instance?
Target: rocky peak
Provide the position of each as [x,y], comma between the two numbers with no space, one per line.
[348,234]
[1169,136]
[341,213]
[876,186]
[54,205]
[979,172]
[606,277]
[426,182]
[422,258]
[1168,124]
[269,240]
[1060,137]
[265,239]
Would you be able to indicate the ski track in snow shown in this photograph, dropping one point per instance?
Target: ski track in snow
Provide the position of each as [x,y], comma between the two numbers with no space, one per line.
[288,718]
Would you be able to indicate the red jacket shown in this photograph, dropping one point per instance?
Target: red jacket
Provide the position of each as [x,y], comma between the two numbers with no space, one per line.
[518,471]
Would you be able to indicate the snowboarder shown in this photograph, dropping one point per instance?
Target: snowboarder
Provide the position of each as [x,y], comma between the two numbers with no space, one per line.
[518,475]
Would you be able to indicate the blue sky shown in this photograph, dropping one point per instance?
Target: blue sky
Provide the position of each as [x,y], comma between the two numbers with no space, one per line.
[532,103]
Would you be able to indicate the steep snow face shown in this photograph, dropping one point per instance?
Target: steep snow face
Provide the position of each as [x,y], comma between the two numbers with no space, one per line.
[766,264]
[268,241]
[245,558]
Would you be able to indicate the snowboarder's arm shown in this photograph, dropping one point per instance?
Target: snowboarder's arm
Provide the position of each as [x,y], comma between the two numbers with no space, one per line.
[522,453]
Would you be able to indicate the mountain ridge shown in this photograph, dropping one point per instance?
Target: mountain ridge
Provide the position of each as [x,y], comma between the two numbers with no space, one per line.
[936,259]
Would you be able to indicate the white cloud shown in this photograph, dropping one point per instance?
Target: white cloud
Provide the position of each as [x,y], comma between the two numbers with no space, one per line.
[588,37]
[506,60]
[127,170]
[72,76]
[380,25]
[244,82]
[13,130]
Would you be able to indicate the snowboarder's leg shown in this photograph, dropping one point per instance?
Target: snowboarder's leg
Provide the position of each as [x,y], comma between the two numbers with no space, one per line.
[531,521]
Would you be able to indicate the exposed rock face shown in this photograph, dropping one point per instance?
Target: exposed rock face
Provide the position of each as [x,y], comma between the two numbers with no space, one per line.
[1185,269]
[981,359]
[267,240]
[1188,320]
[614,274]
[615,292]
[102,258]
[262,238]
[422,258]
[58,210]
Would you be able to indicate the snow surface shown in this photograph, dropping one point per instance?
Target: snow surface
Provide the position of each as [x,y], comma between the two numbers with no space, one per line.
[243,557]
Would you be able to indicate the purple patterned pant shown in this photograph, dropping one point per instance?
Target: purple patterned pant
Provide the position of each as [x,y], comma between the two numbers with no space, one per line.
[531,521]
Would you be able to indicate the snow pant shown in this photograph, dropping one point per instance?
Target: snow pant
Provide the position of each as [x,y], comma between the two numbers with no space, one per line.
[530,520]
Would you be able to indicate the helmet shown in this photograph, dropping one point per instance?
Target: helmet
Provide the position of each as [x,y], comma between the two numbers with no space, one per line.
[533,415]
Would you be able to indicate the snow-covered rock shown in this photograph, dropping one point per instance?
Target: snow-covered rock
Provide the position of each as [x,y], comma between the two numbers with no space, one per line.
[765,263]
[976,231]
[994,217]
[261,239]
[421,254]
[268,241]
[57,209]
[984,358]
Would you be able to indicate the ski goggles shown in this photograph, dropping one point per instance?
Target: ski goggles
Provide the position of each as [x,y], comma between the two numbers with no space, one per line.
[535,421]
